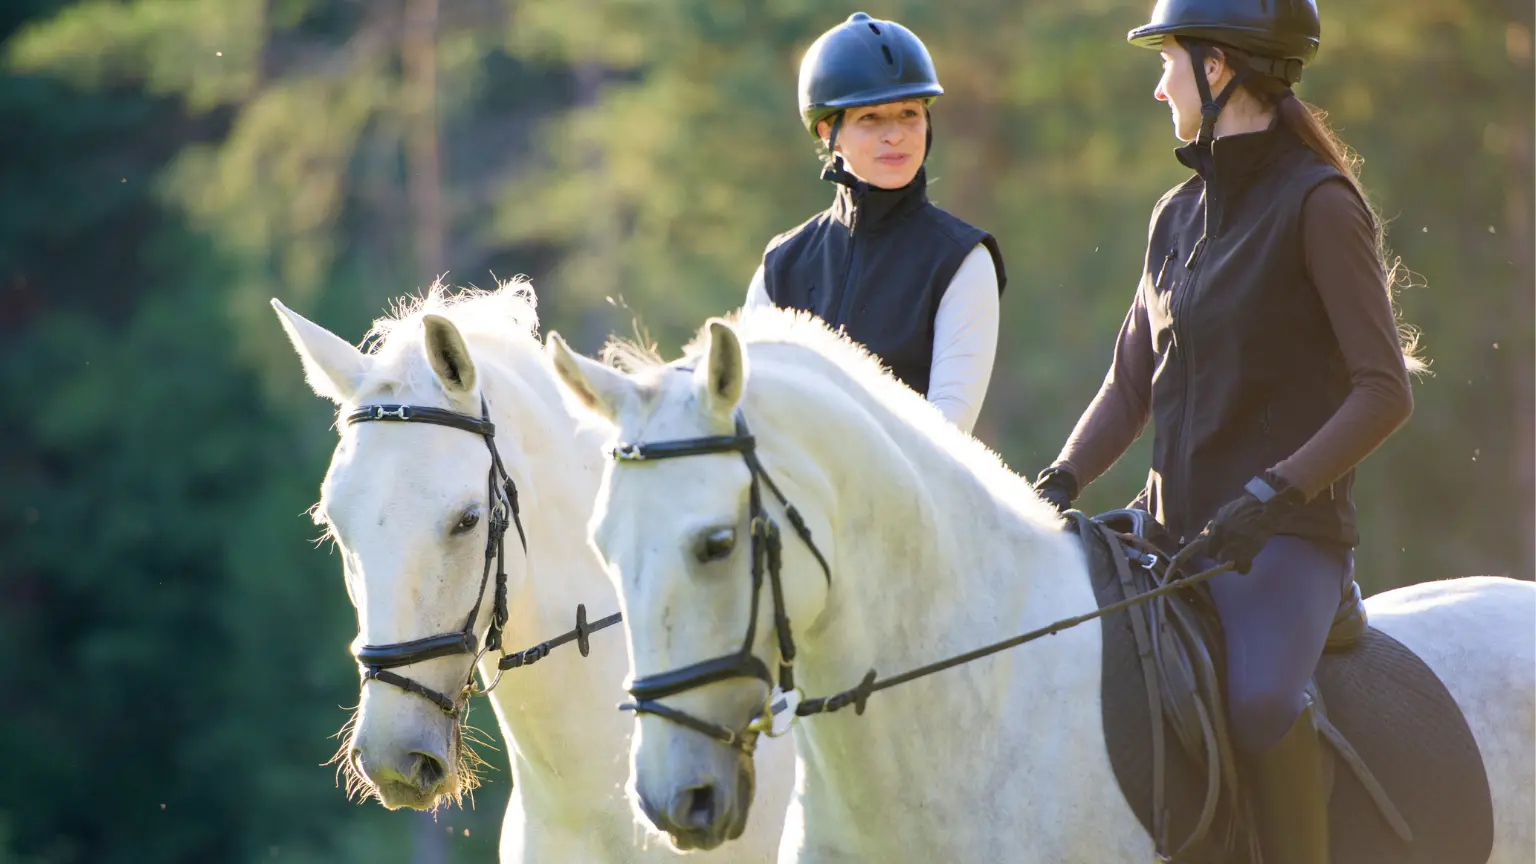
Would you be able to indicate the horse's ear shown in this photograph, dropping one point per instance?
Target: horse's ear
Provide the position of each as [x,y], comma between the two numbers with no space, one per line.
[594,387]
[333,368]
[724,375]
[448,355]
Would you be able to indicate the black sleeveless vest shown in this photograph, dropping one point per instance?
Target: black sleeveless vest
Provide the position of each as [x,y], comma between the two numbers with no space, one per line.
[876,264]
[1248,368]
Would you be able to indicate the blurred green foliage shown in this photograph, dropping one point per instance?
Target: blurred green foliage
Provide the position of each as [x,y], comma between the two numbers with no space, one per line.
[174,644]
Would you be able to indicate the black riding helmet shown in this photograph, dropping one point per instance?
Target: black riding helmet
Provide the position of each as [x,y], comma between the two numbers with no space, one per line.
[863,61]
[1281,37]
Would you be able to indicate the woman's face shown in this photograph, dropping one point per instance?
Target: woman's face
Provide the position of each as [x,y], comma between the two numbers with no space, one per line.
[882,144]
[1177,87]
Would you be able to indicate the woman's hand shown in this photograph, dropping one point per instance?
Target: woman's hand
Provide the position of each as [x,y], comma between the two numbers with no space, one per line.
[1058,486]
[1243,525]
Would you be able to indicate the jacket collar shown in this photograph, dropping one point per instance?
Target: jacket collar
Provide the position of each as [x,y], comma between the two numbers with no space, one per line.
[865,208]
[1231,160]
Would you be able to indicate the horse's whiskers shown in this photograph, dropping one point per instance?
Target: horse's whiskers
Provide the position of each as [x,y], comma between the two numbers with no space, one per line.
[467,768]
[356,785]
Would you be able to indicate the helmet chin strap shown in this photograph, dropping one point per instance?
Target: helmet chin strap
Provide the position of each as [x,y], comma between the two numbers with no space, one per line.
[835,171]
[1210,108]
[928,142]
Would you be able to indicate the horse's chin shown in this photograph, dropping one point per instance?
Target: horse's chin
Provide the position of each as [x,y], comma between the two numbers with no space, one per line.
[404,796]
[696,841]
[729,828]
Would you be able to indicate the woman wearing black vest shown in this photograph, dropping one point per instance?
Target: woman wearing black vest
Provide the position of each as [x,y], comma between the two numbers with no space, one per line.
[1263,345]
[913,284]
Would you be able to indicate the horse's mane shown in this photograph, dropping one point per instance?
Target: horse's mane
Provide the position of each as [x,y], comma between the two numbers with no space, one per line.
[765,325]
[492,320]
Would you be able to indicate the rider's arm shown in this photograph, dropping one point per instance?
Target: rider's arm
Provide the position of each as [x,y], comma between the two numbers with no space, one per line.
[1116,416]
[1340,242]
[757,291]
[965,340]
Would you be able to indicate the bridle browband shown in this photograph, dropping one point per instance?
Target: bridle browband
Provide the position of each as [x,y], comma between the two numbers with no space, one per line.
[767,548]
[376,661]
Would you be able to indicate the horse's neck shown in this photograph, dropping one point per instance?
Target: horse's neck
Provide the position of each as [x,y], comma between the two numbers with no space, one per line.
[939,566]
[560,462]
[947,567]
[556,710]
[945,550]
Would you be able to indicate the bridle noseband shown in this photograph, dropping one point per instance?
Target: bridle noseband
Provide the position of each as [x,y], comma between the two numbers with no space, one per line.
[377,660]
[766,557]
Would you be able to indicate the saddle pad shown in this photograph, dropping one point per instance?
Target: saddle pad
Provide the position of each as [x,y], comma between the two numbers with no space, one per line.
[1127,723]
[1391,708]
[1402,721]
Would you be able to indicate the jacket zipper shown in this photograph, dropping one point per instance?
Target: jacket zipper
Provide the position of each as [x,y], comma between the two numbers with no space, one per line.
[1182,341]
[1163,270]
[845,298]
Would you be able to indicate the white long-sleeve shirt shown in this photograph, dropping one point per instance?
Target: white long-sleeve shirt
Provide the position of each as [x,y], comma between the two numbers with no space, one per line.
[964,337]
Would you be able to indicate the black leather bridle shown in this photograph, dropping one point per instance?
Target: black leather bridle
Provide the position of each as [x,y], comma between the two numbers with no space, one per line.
[766,558]
[377,660]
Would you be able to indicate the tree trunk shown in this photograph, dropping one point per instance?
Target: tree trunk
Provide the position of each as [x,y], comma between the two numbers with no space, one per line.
[424,191]
[602,241]
[1517,218]
[424,181]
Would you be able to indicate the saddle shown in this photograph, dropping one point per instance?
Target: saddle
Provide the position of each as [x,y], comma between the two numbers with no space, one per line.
[1179,648]
[1136,529]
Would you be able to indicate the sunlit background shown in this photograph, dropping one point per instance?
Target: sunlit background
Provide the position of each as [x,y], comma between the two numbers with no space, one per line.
[172,641]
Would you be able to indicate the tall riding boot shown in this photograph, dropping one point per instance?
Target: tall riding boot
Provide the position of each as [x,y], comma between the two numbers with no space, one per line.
[1288,796]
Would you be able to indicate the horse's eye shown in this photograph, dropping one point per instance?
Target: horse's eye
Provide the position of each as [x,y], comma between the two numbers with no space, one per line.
[716,544]
[468,521]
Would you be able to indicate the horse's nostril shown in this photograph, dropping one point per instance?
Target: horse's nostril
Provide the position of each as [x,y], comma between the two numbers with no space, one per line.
[427,770]
[694,807]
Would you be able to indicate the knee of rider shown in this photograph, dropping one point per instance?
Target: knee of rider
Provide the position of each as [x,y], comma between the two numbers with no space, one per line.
[1260,718]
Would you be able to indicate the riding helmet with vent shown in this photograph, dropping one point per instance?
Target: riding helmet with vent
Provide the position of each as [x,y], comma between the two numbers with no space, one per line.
[863,61]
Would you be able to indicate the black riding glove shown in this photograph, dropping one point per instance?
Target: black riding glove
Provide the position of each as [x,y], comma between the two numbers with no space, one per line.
[1243,525]
[1058,486]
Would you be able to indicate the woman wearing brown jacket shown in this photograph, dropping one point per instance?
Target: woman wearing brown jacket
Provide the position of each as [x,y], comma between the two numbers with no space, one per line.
[1262,345]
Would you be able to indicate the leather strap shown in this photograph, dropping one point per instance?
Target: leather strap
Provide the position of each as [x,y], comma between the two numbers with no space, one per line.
[447,705]
[712,671]
[579,635]
[422,414]
[685,447]
[745,742]
[416,651]
[1144,651]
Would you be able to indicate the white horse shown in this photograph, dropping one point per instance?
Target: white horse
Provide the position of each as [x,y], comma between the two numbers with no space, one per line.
[407,506]
[934,549]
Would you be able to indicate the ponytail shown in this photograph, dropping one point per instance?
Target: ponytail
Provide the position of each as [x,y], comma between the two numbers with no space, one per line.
[1310,125]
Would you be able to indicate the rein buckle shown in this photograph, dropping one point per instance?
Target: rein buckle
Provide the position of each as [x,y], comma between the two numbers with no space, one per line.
[779,713]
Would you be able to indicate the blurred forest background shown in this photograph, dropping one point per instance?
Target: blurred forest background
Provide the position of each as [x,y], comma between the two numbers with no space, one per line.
[173,645]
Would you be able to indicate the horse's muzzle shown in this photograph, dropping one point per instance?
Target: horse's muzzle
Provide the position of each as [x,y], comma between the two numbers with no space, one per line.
[413,780]
[706,813]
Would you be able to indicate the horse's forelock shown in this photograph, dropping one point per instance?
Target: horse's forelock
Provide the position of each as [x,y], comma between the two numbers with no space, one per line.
[487,319]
